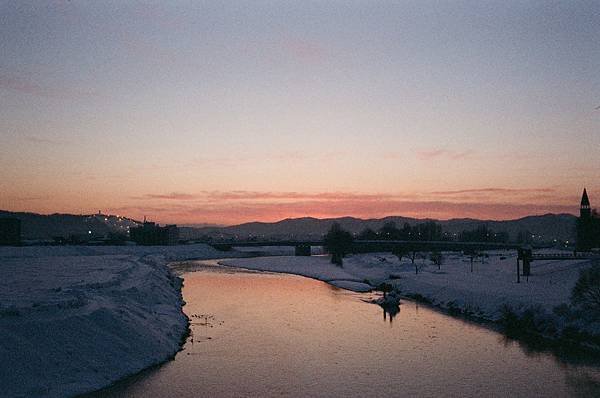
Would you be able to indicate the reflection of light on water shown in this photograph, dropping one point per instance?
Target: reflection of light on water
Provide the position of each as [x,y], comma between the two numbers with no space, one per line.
[275,334]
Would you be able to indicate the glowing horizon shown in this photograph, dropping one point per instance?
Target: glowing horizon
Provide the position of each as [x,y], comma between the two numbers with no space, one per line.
[231,112]
[236,207]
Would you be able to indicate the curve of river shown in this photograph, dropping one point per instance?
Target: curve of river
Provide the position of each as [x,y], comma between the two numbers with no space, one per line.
[263,334]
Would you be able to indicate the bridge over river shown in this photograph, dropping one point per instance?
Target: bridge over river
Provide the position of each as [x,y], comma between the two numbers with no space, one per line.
[372,246]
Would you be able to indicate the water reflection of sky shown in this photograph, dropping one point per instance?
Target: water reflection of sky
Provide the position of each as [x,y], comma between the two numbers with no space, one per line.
[267,334]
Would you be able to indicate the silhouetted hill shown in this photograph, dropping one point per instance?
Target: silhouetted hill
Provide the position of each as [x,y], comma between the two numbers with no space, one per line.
[549,226]
[39,226]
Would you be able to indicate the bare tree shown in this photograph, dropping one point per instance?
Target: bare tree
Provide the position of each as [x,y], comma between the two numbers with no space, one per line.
[437,259]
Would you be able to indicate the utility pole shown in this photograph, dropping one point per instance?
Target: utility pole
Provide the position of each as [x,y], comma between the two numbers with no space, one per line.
[520,252]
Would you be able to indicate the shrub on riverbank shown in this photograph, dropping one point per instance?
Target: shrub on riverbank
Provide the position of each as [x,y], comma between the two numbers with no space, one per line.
[530,320]
[566,323]
[338,243]
[586,293]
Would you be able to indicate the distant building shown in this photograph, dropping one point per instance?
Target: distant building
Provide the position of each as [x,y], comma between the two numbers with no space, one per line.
[10,231]
[588,225]
[151,234]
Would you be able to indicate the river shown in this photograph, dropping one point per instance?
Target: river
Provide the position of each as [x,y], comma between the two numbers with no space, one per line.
[263,334]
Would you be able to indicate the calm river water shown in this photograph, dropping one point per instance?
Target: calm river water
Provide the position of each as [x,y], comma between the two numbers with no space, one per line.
[261,334]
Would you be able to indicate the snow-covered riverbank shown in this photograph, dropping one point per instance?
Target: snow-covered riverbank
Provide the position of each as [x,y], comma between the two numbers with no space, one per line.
[482,292]
[75,319]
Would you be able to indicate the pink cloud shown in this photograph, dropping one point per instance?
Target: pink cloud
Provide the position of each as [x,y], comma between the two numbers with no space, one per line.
[44,140]
[169,196]
[444,153]
[213,196]
[29,86]
[230,207]
[251,195]
[280,156]
[232,213]
[306,51]
[493,190]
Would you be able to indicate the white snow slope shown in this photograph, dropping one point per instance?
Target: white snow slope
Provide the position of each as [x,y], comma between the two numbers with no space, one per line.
[75,319]
[481,292]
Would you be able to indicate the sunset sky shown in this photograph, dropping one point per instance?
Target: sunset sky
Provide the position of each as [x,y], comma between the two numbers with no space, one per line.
[225,112]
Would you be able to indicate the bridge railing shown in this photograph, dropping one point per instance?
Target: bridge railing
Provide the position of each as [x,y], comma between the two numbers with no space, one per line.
[564,256]
[366,246]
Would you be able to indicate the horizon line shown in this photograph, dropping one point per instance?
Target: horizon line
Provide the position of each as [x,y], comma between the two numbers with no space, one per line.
[213,225]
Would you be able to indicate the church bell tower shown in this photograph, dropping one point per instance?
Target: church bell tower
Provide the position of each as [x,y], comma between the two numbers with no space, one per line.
[585,210]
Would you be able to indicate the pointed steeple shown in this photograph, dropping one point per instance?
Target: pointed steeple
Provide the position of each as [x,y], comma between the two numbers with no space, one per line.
[585,202]
[585,211]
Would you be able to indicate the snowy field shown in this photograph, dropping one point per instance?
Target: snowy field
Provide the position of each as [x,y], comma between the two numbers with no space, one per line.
[77,318]
[481,292]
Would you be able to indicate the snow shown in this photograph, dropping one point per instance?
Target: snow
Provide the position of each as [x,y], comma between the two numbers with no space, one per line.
[482,292]
[77,318]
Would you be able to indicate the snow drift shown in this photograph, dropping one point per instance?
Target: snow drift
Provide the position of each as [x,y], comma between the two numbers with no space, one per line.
[76,319]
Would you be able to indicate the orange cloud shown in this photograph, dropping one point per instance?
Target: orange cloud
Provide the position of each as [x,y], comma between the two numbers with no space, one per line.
[231,207]
[495,191]
[169,196]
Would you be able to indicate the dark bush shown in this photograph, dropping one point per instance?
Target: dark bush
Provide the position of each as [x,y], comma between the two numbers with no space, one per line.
[586,292]
[338,243]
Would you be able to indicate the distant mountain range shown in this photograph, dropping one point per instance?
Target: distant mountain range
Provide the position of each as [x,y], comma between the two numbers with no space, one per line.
[546,227]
